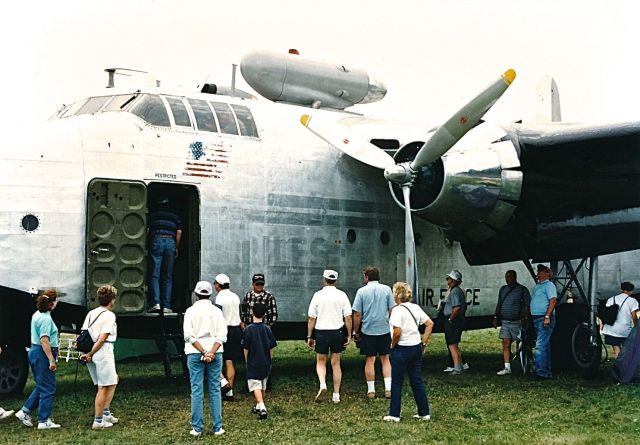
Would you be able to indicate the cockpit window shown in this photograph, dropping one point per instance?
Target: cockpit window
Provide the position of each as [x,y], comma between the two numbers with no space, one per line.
[117,102]
[152,109]
[245,121]
[70,110]
[225,118]
[93,105]
[180,115]
[204,115]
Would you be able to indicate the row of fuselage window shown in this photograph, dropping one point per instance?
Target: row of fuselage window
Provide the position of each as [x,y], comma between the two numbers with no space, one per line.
[168,111]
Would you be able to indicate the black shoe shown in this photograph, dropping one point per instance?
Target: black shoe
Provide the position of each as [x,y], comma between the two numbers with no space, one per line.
[255,410]
[225,389]
[262,415]
[227,398]
[541,377]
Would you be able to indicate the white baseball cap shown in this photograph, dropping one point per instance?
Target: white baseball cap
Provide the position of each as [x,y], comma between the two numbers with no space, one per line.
[203,288]
[222,279]
[330,274]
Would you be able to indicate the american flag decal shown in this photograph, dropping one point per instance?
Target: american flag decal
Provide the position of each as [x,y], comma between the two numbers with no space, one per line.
[205,162]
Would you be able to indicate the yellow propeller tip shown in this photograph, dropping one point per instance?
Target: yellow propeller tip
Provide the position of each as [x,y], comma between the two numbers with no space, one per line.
[508,76]
[305,118]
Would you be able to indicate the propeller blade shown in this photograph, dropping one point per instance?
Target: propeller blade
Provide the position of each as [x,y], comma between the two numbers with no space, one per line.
[348,142]
[461,122]
[411,268]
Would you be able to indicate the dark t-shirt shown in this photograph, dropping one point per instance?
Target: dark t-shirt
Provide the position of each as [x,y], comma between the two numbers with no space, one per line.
[259,340]
[513,301]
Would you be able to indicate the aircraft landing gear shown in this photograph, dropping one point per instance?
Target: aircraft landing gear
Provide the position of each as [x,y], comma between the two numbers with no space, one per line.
[14,370]
[586,349]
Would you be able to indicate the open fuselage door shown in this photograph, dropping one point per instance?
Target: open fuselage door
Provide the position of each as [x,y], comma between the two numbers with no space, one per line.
[116,242]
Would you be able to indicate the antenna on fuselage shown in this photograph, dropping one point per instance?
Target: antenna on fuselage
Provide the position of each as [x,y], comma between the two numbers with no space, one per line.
[233,79]
[113,71]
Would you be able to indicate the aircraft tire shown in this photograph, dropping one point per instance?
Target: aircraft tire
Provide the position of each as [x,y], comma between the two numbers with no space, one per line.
[14,370]
[586,350]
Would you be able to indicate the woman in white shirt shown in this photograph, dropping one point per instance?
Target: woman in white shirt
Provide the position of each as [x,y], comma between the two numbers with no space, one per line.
[101,323]
[406,352]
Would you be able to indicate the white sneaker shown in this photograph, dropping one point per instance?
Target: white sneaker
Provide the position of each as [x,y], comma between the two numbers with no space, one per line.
[335,398]
[424,418]
[4,414]
[321,392]
[504,371]
[167,310]
[154,308]
[101,425]
[220,432]
[24,418]
[451,368]
[195,433]
[110,418]
[48,424]
[391,419]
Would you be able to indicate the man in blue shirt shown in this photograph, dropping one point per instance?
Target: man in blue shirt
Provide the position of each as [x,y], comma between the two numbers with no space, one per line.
[543,301]
[165,230]
[371,307]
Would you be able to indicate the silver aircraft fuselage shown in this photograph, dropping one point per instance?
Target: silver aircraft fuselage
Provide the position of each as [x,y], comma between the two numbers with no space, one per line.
[284,203]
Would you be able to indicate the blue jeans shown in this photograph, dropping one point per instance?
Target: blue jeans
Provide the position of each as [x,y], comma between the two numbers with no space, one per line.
[197,369]
[163,254]
[407,359]
[542,354]
[45,391]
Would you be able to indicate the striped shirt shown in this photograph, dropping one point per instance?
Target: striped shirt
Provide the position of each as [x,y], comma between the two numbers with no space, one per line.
[164,222]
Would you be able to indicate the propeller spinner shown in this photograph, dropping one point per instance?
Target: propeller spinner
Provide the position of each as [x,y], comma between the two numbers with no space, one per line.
[405,173]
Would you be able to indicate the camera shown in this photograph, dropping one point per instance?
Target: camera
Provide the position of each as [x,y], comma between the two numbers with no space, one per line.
[82,360]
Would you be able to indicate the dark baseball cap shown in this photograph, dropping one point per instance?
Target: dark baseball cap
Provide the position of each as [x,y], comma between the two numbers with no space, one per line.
[258,278]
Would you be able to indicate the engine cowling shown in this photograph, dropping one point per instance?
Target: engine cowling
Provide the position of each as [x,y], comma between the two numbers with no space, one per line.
[472,191]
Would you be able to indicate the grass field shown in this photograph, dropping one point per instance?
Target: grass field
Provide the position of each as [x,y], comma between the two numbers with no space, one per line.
[476,407]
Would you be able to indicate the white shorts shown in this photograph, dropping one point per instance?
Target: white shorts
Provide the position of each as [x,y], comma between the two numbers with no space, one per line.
[102,367]
[255,384]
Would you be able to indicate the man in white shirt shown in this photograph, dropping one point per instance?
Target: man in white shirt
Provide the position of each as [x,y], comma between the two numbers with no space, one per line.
[229,302]
[205,330]
[329,330]
[616,334]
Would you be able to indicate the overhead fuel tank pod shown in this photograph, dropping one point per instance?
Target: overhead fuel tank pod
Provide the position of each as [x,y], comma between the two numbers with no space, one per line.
[294,79]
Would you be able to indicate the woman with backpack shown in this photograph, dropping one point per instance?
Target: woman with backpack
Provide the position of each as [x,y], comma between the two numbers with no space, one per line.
[100,360]
[615,334]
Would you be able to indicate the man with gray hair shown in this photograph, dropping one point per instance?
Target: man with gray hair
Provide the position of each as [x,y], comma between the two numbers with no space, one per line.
[329,315]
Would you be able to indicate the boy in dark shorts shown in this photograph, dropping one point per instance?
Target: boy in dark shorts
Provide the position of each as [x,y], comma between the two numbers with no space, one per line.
[258,342]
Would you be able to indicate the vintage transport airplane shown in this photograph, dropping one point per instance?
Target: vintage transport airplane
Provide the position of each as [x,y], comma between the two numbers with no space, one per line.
[296,184]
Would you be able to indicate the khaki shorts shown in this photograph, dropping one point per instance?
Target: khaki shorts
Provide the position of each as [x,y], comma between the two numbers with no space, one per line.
[102,367]
[255,384]
[510,329]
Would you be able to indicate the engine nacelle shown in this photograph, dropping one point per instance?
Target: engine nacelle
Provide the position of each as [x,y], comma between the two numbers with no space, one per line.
[294,79]
[472,191]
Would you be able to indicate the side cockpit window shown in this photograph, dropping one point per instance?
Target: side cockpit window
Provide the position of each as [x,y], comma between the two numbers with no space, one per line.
[225,118]
[118,102]
[245,121]
[180,114]
[152,110]
[93,105]
[204,115]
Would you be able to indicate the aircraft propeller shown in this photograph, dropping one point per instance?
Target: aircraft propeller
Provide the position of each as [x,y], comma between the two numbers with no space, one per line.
[433,149]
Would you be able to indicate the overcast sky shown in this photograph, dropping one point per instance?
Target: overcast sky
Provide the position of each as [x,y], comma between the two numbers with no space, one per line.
[433,55]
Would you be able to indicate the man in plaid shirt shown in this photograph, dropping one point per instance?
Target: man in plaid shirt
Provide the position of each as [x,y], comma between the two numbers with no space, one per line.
[259,295]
